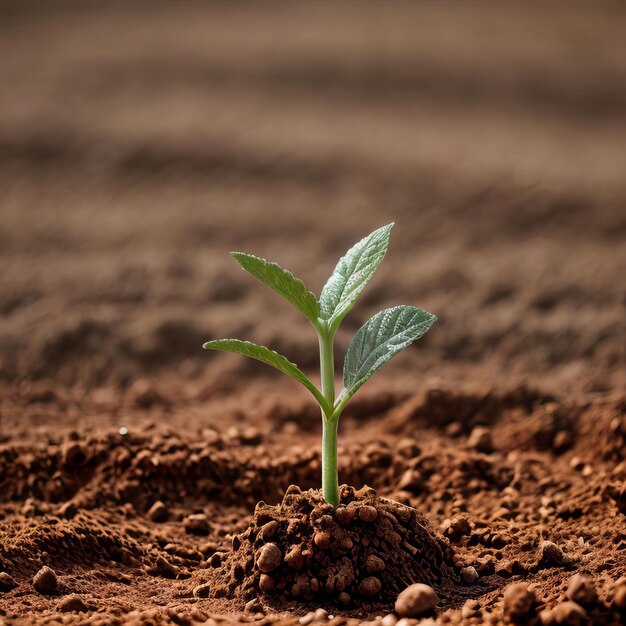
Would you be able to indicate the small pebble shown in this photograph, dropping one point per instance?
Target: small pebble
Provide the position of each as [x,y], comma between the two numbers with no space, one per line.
[389,620]
[158,512]
[254,606]
[269,557]
[322,539]
[374,564]
[456,528]
[581,589]
[480,439]
[551,553]
[7,582]
[344,597]
[266,583]
[519,603]
[469,574]
[72,603]
[197,524]
[416,600]
[45,580]
[267,531]
[370,587]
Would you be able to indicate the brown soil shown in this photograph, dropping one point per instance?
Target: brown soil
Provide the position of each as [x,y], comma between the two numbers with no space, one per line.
[138,147]
[362,553]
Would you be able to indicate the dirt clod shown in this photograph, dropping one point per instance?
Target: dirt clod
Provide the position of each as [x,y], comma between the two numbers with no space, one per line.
[582,590]
[363,551]
[45,580]
[415,600]
[197,524]
[7,582]
[569,614]
[551,554]
[370,587]
[519,603]
[72,603]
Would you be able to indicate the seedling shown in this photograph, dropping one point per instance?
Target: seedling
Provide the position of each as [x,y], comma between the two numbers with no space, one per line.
[380,338]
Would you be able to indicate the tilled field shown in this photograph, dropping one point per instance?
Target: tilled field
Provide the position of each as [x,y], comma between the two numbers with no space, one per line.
[154,479]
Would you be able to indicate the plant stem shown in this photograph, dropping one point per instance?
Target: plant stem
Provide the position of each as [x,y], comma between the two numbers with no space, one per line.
[330,476]
[327,366]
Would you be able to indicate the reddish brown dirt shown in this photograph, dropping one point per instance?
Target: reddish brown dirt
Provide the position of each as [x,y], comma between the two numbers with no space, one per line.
[137,147]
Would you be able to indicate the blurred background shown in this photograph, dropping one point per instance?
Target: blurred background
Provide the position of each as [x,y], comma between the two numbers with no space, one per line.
[139,143]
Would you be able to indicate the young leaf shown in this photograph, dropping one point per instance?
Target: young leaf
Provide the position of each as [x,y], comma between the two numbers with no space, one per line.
[281,281]
[352,273]
[379,339]
[261,353]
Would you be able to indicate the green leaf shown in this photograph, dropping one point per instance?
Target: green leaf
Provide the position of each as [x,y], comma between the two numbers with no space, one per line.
[281,281]
[379,339]
[261,353]
[352,273]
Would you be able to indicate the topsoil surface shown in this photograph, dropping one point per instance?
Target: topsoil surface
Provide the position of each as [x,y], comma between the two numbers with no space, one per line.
[139,145]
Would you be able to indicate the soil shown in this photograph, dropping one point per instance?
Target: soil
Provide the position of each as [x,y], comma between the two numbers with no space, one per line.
[139,473]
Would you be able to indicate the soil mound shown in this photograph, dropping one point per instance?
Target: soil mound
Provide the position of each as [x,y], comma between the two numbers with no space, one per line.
[361,554]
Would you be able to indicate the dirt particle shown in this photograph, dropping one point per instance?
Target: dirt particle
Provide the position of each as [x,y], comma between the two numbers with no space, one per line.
[294,558]
[254,606]
[374,564]
[480,439]
[551,554]
[582,590]
[370,587]
[158,512]
[322,539]
[162,567]
[72,603]
[344,597]
[201,591]
[455,528]
[569,614]
[7,582]
[267,531]
[269,557]
[415,600]
[345,515]
[45,580]
[469,574]
[367,513]
[519,603]
[266,583]
[197,524]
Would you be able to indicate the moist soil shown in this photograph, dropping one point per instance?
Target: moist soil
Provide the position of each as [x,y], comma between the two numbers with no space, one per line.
[143,480]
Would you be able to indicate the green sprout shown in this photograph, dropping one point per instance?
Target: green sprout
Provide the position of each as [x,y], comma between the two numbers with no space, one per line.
[380,338]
